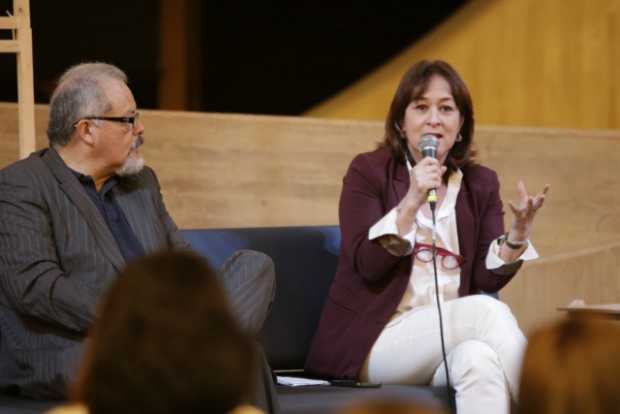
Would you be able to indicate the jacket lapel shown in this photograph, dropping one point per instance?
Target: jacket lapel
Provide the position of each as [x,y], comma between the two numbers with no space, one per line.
[465,227]
[135,210]
[74,191]
[400,183]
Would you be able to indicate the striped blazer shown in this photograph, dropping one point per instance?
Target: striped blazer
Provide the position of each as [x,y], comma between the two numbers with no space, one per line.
[57,257]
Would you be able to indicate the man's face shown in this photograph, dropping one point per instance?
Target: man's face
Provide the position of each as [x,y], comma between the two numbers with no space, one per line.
[118,144]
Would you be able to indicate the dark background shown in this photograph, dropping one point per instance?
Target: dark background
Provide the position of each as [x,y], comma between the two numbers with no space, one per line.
[270,57]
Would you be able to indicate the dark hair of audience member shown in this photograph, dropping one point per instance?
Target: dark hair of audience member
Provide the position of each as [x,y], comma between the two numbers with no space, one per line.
[390,407]
[572,366]
[412,86]
[166,342]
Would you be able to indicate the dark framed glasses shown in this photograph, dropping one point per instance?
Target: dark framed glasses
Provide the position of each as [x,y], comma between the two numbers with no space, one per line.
[131,120]
[449,261]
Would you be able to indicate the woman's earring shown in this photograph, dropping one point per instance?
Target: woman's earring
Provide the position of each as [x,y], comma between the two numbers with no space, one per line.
[400,132]
[459,137]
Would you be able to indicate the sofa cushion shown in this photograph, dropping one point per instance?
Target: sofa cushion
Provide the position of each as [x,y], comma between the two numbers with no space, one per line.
[305,260]
[330,400]
[17,405]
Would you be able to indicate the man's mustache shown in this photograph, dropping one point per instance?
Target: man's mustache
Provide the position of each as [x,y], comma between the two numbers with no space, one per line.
[137,142]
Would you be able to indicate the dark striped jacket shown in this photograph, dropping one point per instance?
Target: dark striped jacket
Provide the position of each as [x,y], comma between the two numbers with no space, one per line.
[57,257]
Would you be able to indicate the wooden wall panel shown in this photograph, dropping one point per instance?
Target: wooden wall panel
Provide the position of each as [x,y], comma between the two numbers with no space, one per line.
[250,170]
[545,63]
[9,144]
[582,205]
[241,170]
[592,275]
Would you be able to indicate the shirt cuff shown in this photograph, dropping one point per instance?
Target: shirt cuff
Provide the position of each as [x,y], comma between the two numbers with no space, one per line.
[385,231]
[495,262]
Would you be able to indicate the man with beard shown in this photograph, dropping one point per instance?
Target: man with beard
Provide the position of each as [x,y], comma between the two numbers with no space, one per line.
[71,216]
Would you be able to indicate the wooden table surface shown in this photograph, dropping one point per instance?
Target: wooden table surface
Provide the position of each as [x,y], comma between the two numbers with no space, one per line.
[609,310]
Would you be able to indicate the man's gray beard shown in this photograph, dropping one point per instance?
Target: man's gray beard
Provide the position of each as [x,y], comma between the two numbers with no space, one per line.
[133,165]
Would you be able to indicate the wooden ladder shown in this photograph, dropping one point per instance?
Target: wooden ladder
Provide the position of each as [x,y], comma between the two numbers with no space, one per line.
[21,45]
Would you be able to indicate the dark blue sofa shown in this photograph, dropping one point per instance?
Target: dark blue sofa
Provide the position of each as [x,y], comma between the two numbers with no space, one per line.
[305,260]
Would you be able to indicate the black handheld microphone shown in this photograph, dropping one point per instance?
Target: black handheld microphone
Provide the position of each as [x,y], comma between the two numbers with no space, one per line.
[428,147]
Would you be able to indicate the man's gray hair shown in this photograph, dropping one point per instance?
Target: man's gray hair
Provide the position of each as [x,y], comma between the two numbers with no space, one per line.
[80,93]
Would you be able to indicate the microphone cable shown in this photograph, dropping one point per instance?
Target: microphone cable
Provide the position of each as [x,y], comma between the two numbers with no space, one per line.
[441,333]
[432,205]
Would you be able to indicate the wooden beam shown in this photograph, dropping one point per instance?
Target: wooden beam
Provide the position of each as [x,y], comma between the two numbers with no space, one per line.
[8,23]
[21,45]
[25,81]
[25,92]
[9,46]
[173,54]
[180,78]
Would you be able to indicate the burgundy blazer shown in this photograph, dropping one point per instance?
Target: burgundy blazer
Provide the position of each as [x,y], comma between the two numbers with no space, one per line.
[370,282]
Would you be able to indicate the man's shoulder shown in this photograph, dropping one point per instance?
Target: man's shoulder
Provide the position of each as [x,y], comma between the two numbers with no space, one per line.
[28,170]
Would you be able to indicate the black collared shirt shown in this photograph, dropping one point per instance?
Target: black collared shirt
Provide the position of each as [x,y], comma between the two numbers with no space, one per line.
[113,215]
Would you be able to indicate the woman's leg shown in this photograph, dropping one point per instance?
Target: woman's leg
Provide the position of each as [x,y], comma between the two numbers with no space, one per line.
[477,376]
[408,351]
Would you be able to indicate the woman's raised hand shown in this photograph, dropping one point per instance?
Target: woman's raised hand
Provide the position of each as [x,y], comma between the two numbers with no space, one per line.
[524,211]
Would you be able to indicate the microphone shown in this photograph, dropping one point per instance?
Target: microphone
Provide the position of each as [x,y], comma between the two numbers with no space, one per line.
[428,147]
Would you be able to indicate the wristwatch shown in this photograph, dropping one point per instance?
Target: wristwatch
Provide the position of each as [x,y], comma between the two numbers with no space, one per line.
[511,245]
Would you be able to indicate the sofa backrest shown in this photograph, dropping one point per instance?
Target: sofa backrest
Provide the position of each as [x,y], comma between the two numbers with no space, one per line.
[305,261]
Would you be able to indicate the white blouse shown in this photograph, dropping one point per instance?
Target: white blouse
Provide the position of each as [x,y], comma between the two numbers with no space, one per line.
[420,290]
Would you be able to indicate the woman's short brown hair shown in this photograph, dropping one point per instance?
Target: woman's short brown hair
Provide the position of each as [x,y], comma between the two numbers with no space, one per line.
[393,406]
[572,367]
[412,86]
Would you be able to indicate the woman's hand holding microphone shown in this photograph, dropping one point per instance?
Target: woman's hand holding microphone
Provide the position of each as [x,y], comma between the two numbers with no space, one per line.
[424,176]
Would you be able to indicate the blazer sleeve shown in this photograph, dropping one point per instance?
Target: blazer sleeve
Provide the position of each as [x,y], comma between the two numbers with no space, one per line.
[31,279]
[362,204]
[491,227]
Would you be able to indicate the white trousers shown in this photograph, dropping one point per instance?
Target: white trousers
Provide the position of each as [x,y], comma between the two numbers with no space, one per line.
[484,347]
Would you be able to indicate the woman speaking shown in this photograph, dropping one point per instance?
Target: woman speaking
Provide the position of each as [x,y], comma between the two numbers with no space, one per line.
[380,321]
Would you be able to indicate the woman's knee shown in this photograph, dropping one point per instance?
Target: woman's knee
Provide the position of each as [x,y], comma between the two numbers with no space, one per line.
[490,307]
[488,303]
[475,360]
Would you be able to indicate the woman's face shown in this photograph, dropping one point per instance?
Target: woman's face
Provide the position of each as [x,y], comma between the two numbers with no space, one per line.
[435,112]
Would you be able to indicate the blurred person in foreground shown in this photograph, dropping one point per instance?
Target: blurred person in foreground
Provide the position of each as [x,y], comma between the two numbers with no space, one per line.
[166,342]
[572,366]
[390,407]
[72,216]
[380,321]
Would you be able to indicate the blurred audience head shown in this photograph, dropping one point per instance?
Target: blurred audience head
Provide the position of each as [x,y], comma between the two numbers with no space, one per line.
[390,407]
[572,366]
[166,342]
